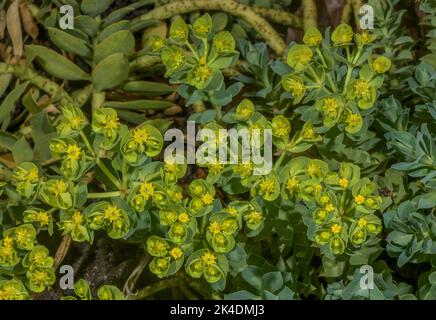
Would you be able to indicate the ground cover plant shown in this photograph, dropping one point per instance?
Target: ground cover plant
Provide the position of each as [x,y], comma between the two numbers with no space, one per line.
[92,208]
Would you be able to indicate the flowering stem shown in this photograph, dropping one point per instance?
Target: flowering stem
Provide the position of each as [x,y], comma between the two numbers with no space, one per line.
[351,67]
[280,160]
[108,174]
[102,195]
[100,164]
[191,48]
[152,176]
[124,172]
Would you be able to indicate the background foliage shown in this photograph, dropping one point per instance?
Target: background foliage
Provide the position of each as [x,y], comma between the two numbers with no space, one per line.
[83,113]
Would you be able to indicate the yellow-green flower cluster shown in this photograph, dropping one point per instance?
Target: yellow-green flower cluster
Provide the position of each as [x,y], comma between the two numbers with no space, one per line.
[105,122]
[140,143]
[19,245]
[107,216]
[167,258]
[26,178]
[342,204]
[188,62]
[328,100]
[205,263]
[74,223]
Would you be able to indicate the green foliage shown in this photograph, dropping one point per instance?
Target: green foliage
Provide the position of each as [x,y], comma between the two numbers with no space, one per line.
[84,115]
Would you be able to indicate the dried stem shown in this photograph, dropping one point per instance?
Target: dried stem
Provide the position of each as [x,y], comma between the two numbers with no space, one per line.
[130,283]
[24,73]
[310,13]
[62,251]
[346,12]
[265,30]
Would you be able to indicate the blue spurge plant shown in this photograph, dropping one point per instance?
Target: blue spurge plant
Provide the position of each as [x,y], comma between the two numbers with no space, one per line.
[189,150]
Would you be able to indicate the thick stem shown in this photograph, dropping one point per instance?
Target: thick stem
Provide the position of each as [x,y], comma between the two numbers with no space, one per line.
[102,195]
[144,62]
[280,17]
[62,251]
[346,12]
[98,98]
[357,4]
[82,96]
[262,26]
[155,287]
[46,85]
[310,14]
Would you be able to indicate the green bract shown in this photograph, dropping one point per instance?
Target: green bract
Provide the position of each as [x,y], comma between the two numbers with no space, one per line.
[217,149]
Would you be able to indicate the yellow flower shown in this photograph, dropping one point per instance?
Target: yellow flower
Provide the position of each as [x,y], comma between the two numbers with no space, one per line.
[215,227]
[267,186]
[281,126]
[245,169]
[359,199]
[176,253]
[254,217]
[365,37]
[381,64]
[232,211]
[361,223]
[299,55]
[292,184]
[343,34]
[111,122]
[362,89]
[329,207]
[43,218]
[32,175]
[157,44]
[336,228]
[200,74]
[353,120]
[184,217]
[162,264]
[140,136]
[370,202]
[324,199]
[76,122]
[73,152]
[58,187]
[309,132]
[22,236]
[293,85]
[40,277]
[312,37]
[331,106]
[112,213]
[8,242]
[313,169]
[11,292]
[343,182]
[216,168]
[77,218]
[207,199]
[208,258]
[146,190]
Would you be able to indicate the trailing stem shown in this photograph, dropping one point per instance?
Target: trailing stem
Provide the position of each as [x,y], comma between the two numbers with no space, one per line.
[265,30]
[27,74]
[310,14]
